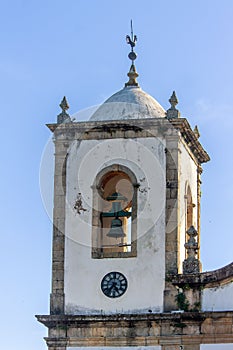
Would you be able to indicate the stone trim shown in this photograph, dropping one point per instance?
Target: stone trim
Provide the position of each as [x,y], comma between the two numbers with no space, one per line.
[191,139]
[56,343]
[172,199]
[199,172]
[208,279]
[57,297]
[132,129]
[188,328]
[172,218]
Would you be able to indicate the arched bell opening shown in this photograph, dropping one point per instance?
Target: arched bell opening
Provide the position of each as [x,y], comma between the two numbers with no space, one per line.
[114,213]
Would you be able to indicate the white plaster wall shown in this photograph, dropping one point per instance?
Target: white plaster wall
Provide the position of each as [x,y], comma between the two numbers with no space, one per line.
[218,299]
[188,175]
[145,273]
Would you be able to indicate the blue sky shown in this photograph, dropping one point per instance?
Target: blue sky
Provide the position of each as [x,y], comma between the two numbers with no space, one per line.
[77,48]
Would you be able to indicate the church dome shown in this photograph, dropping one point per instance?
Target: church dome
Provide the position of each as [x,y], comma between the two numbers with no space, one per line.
[129,103]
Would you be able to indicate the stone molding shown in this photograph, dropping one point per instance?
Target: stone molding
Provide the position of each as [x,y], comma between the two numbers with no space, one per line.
[133,128]
[140,330]
[208,279]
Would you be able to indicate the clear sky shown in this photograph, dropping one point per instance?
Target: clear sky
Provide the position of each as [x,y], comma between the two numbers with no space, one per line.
[77,48]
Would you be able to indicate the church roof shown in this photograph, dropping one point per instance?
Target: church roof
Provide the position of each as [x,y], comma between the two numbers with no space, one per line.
[129,103]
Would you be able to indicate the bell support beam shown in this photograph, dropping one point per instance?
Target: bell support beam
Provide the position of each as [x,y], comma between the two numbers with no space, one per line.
[121,213]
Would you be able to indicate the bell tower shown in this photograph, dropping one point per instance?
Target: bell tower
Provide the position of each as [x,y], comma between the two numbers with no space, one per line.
[126,192]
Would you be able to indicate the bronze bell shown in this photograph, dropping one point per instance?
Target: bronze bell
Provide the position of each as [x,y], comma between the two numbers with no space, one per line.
[116,230]
[116,198]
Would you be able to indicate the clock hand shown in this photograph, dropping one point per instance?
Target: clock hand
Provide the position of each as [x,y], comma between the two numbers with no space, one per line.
[113,287]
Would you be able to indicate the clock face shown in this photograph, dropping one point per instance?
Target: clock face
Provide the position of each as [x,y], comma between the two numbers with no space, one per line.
[114,284]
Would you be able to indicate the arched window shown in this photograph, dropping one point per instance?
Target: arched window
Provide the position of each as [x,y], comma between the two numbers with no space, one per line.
[189,208]
[114,213]
[189,212]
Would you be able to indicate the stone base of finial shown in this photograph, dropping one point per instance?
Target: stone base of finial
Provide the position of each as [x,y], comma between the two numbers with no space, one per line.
[191,265]
[131,83]
[63,118]
[132,77]
[172,113]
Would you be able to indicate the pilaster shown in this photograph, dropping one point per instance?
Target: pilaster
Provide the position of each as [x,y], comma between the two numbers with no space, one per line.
[172,218]
[57,295]
[56,344]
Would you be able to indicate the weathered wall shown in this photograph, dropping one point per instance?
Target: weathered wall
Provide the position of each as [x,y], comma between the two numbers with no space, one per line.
[145,157]
[218,299]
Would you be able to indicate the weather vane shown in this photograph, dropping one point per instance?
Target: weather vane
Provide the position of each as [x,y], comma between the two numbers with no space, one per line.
[132,42]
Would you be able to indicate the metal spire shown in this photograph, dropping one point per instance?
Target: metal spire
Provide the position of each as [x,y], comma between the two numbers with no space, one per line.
[132,56]
[132,42]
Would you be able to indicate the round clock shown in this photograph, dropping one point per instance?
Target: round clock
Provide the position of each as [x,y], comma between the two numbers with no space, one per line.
[114,284]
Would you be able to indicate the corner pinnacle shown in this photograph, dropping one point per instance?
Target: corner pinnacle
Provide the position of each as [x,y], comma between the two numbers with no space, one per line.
[196,132]
[173,100]
[63,117]
[172,112]
[64,104]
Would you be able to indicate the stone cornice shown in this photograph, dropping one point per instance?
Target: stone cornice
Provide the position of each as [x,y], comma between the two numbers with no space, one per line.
[139,330]
[135,128]
[208,279]
[191,139]
[74,320]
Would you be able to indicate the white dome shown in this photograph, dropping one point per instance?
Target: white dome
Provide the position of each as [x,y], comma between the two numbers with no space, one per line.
[129,103]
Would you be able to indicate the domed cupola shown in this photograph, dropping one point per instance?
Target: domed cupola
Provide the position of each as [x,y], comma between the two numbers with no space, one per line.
[131,102]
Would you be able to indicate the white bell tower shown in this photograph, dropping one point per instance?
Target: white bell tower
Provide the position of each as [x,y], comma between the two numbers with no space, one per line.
[126,190]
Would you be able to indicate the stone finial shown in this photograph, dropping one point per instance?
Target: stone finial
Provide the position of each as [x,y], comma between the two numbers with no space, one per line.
[173,100]
[63,117]
[64,104]
[191,265]
[132,76]
[172,112]
[196,132]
